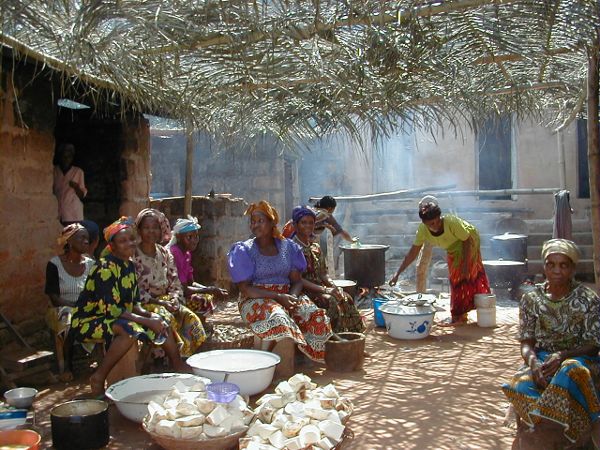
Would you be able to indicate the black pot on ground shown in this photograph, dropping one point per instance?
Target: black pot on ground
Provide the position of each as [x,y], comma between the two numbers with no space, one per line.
[80,425]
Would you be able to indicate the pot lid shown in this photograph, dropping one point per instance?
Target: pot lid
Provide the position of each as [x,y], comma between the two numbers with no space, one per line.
[501,262]
[396,307]
[344,283]
[419,299]
[509,236]
[363,247]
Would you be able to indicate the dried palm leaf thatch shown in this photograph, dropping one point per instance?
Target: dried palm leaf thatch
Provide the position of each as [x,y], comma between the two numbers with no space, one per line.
[300,69]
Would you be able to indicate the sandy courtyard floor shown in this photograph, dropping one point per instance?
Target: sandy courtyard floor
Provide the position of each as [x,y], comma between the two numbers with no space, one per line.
[442,392]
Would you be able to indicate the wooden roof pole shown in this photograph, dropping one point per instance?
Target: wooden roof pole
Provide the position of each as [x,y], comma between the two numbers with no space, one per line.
[593,152]
[189,167]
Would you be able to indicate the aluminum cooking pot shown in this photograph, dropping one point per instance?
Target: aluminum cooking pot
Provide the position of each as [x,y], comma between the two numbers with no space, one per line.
[365,264]
[510,246]
[80,425]
[499,271]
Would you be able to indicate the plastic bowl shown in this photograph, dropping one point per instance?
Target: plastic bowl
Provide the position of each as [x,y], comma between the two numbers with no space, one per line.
[12,418]
[21,437]
[20,397]
[222,392]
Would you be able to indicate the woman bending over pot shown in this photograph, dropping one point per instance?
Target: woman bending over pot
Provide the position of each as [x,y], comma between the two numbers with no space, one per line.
[460,239]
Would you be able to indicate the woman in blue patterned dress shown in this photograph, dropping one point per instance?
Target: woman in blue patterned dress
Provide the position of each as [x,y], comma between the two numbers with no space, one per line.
[109,310]
[559,332]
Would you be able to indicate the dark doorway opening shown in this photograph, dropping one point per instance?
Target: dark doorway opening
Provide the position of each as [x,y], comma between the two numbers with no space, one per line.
[98,147]
[494,146]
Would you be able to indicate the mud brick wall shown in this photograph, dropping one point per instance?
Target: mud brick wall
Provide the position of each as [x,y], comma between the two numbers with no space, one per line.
[29,209]
[136,178]
[223,223]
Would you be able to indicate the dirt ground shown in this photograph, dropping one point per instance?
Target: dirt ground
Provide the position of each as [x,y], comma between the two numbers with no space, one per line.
[442,392]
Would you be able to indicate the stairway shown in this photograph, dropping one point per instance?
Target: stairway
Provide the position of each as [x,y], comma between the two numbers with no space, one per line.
[395,225]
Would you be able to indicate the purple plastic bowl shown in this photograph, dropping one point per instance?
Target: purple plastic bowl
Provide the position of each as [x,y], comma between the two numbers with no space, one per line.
[222,392]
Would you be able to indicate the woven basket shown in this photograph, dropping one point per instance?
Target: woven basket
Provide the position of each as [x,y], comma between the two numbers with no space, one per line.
[222,443]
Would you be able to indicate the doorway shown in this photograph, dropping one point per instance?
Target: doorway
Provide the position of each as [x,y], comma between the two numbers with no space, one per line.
[98,147]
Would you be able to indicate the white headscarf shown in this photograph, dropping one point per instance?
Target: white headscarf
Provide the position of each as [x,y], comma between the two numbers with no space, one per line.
[184,226]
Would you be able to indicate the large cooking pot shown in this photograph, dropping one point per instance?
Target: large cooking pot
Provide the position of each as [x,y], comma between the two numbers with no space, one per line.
[80,425]
[510,247]
[365,264]
[505,272]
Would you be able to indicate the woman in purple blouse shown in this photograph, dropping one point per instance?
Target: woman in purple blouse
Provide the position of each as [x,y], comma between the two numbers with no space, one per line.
[267,269]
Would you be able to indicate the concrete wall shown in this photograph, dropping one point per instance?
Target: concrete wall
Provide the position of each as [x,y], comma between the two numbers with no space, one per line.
[255,173]
[223,223]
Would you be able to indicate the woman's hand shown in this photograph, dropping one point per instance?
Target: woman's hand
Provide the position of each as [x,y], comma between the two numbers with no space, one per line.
[172,306]
[289,302]
[335,291]
[394,279]
[218,292]
[537,374]
[157,324]
[551,365]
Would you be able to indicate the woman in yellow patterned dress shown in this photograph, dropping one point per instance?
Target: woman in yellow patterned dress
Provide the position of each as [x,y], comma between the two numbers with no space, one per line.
[109,309]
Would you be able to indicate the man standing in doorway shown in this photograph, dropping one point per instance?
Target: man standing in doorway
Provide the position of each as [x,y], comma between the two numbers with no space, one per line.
[69,186]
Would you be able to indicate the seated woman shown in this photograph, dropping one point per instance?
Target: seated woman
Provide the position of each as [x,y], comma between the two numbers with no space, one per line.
[559,332]
[109,309]
[267,270]
[200,299]
[316,281]
[160,289]
[65,279]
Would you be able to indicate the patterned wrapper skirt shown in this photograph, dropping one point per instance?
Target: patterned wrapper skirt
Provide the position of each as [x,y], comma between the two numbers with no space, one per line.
[186,327]
[465,284]
[570,399]
[202,304]
[308,325]
[344,315]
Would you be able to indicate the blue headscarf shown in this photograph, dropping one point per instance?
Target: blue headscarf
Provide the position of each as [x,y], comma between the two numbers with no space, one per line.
[184,226]
[301,211]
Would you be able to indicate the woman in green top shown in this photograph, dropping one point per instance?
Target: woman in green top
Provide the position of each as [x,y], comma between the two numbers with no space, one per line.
[460,239]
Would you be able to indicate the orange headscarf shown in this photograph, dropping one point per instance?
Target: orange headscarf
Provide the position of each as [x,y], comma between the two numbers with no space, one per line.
[265,208]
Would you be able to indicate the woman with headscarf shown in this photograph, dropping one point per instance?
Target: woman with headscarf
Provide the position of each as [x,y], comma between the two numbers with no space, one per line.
[160,289]
[109,308]
[460,239]
[267,269]
[65,279]
[184,241]
[317,283]
[559,332]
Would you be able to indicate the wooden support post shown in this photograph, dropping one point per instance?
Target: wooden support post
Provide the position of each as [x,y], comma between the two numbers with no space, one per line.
[422,266]
[189,168]
[594,153]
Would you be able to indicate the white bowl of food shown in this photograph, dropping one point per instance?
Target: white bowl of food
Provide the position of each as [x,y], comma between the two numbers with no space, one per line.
[21,397]
[132,395]
[251,370]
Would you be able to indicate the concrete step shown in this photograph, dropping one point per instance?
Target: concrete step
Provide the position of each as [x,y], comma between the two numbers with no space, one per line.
[579,237]
[546,225]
